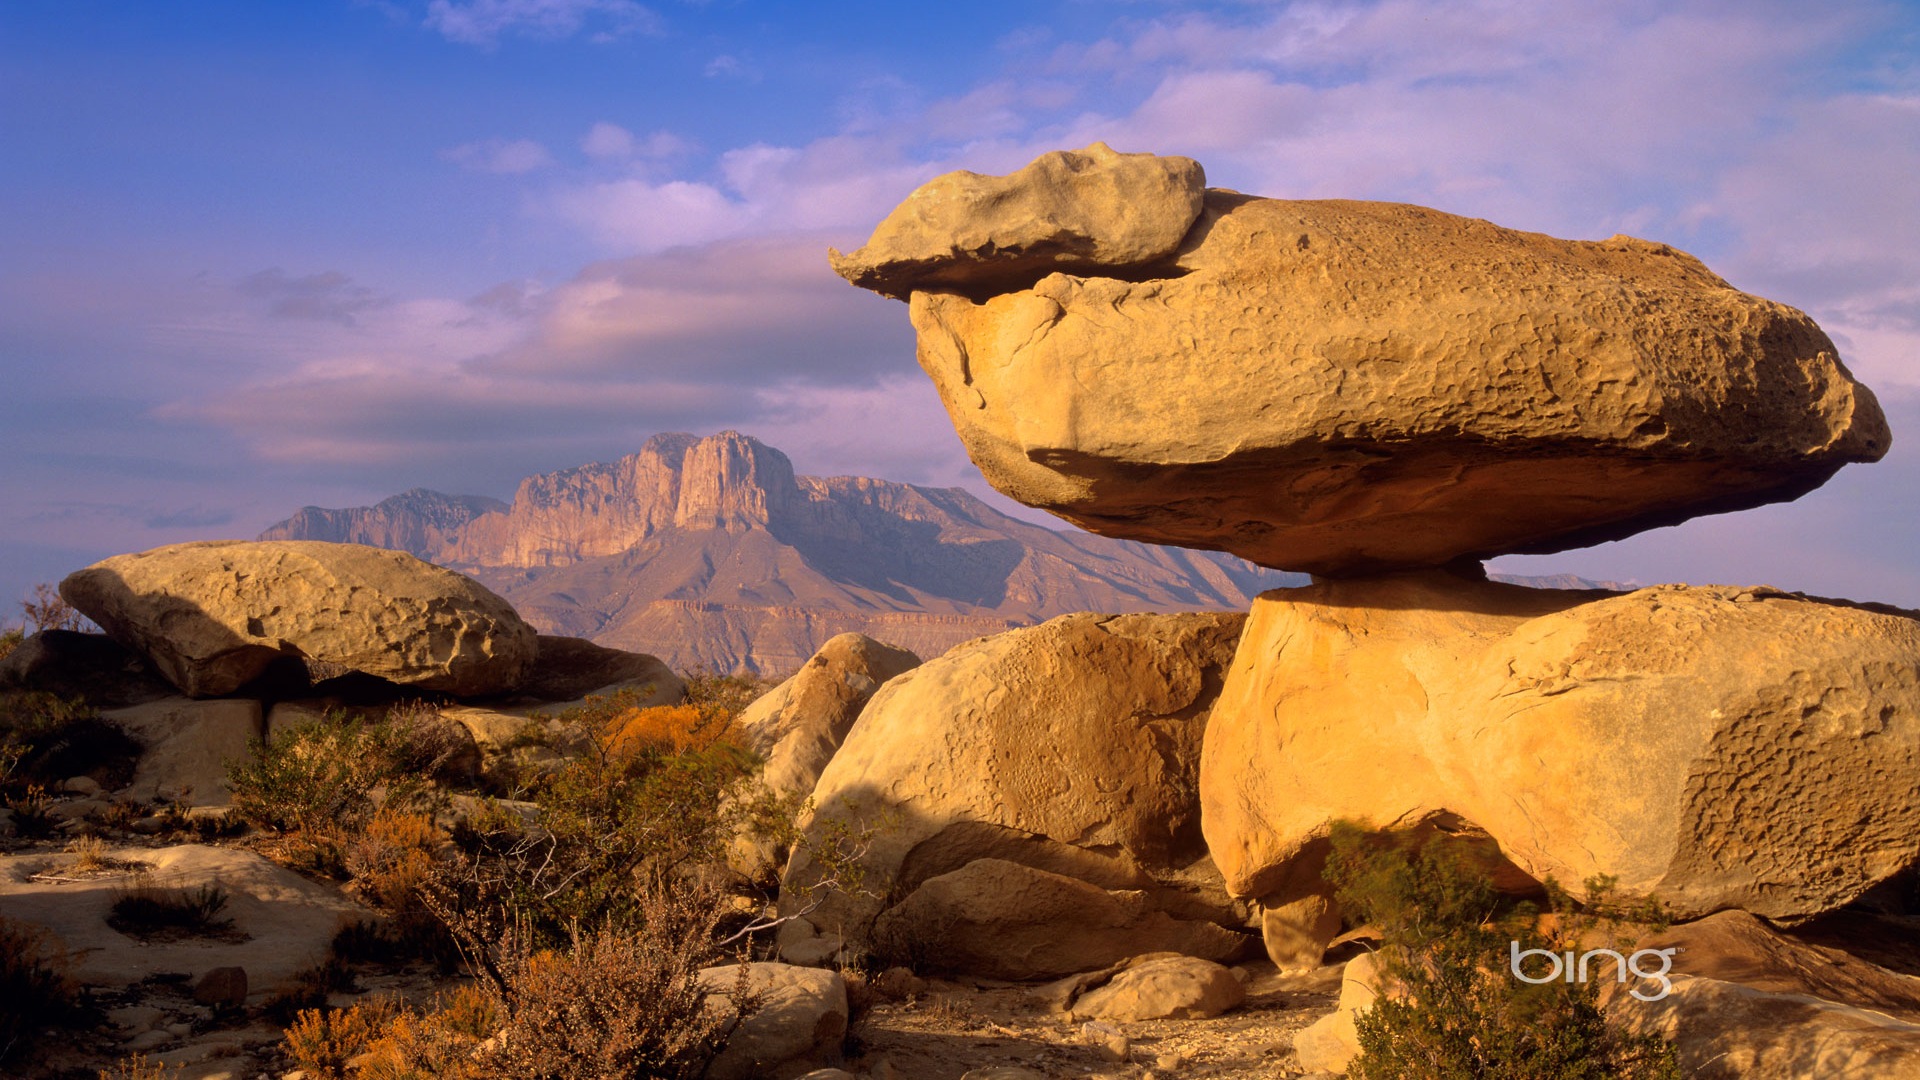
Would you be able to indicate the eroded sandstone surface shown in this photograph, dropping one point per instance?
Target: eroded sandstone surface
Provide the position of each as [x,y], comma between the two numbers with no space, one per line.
[1345,387]
[213,616]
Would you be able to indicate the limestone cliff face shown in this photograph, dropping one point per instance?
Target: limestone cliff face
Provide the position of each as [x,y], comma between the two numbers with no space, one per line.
[711,551]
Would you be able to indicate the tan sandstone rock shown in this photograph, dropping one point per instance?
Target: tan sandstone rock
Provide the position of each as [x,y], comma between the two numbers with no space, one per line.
[187,747]
[1331,1042]
[1091,210]
[800,1021]
[1164,988]
[1070,747]
[1003,920]
[213,616]
[800,723]
[1714,747]
[1349,387]
[282,923]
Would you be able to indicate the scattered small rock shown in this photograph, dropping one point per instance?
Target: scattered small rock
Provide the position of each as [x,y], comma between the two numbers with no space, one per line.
[222,988]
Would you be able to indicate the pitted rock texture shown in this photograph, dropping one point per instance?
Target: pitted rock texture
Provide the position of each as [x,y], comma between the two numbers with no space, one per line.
[1079,211]
[1071,748]
[1346,388]
[214,616]
[799,724]
[1714,747]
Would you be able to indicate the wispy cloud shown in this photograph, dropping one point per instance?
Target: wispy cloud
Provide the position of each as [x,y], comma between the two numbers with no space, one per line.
[329,295]
[484,22]
[502,156]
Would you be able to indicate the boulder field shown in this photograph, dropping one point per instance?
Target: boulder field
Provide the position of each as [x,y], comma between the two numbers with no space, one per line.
[1384,395]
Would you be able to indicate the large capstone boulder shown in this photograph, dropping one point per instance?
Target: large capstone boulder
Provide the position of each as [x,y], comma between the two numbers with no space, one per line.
[1068,748]
[1347,387]
[1071,211]
[217,615]
[1711,747]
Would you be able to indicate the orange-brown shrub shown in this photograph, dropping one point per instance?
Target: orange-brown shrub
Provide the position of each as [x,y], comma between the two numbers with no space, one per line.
[673,728]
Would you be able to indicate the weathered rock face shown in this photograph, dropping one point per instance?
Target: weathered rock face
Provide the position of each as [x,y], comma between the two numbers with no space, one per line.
[91,666]
[1346,387]
[800,1022]
[188,745]
[1714,747]
[1003,920]
[281,920]
[1070,748]
[800,723]
[1072,211]
[214,616]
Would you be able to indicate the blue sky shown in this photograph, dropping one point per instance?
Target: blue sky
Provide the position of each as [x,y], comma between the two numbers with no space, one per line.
[257,256]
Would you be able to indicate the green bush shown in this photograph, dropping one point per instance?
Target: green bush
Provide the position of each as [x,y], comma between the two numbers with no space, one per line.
[45,739]
[321,776]
[1455,1012]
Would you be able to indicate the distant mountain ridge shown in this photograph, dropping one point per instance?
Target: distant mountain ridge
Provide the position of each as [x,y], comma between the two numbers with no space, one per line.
[712,552]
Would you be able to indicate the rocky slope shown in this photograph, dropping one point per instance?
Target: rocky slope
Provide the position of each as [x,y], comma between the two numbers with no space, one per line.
[712,552]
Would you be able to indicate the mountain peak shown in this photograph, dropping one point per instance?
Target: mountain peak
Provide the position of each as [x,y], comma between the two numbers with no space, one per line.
[732,481]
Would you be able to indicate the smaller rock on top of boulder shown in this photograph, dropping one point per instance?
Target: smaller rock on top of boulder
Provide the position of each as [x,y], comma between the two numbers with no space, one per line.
[1070,210]
[214,616]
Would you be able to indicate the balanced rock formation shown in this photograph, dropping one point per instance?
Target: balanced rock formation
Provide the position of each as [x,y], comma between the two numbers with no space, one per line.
[1347,387]
[1069,749]
[1089,211]
[214,616]
[1712,747]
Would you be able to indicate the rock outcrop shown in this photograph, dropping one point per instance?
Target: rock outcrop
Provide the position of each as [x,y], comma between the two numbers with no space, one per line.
[1089,211]
[215,616]
[798,725]
[1346,387]
[712,553]
[1069,748]
[1714,747]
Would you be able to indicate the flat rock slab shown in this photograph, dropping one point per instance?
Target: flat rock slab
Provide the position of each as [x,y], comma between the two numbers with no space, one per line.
[1345,387]
[1164,988]
[287,922]
[1713,747]
[189,745]
[214,616]
[1091,210]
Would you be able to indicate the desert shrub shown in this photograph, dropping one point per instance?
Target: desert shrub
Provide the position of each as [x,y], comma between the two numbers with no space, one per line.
[1455,1012]
[308,989]
[391,863]
[608,825]
[440,1044]
[10,639]
[322,1041]
[666,727]
[147,911]
[46,609]
[321,776]
[141,1067]
[45,739]
[35,991]
[32,812]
